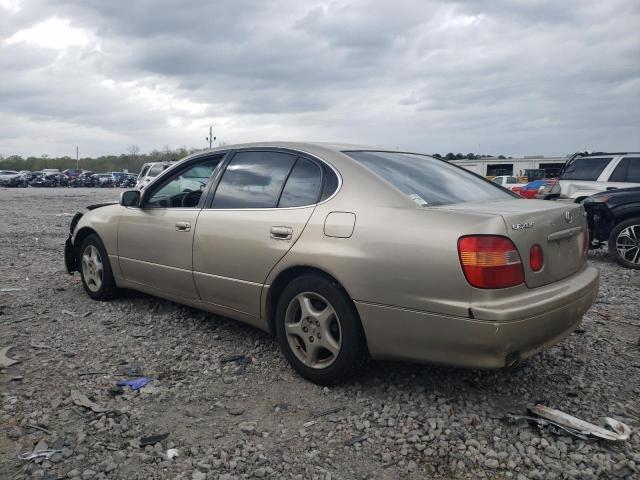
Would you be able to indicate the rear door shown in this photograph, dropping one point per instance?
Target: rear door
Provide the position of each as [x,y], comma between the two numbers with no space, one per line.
[260,207]
[625,174]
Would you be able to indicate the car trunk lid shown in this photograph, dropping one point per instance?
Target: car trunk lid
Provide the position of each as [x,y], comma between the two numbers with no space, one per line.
[558,227]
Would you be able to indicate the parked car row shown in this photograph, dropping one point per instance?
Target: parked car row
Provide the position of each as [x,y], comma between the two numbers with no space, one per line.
[66,178]
[608,186]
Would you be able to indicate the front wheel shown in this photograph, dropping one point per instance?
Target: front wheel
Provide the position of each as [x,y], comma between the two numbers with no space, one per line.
[319,331]
[95,269]
[624,243]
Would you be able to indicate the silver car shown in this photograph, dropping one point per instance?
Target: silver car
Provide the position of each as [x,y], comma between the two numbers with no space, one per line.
[346,253]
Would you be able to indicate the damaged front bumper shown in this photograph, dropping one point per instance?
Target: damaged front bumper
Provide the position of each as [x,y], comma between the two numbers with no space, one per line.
[70,254]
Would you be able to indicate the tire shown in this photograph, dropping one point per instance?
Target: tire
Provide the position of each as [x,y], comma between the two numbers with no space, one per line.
[624,243]
[95,269]
[319,330]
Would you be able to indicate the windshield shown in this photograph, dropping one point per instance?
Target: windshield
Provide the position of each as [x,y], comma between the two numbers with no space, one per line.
[427,181]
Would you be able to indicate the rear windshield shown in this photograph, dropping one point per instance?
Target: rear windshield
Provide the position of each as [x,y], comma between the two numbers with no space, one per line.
[156,170]
[587,168]
[427,181]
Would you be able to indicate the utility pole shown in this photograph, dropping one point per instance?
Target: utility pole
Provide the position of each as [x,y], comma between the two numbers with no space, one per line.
[77,160]
[210,138]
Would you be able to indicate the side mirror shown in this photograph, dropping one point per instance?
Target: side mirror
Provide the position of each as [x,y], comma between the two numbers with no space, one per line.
[130,198]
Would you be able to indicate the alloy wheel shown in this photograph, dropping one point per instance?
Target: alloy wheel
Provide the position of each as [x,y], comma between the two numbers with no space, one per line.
[628,244]
[313,330]
[92,270]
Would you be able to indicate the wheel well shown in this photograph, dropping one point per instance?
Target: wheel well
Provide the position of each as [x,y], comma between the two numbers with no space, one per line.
[283,279]
[626,216]
[83,233]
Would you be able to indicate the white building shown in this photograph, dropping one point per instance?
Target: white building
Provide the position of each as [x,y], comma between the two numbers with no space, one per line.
[494,166]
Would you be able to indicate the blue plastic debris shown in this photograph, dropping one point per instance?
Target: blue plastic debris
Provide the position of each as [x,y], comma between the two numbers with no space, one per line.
[135,384]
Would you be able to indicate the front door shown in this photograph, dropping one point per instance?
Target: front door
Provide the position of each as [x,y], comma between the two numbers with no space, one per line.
[155,241]
[258,211]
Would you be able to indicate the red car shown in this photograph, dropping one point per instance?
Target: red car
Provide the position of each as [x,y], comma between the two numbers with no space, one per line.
[532,189]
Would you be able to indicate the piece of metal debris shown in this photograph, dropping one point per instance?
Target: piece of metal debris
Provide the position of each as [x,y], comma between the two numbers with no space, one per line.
[6,361]
[329,411]
[561,423]
[47,454]
[153,439]
[76,315]
[352,441]
[239,357]
[82,401]
[618,430]
[172,453]
[37,427]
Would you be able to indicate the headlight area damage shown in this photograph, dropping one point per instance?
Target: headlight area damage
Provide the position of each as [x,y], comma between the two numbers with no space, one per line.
[70,257]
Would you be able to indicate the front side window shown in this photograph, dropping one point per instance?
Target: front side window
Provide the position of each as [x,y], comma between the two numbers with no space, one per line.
[512,180]
[303,185]
[585,168]
[253,180]
[185,187]
[427,181]
[498,180]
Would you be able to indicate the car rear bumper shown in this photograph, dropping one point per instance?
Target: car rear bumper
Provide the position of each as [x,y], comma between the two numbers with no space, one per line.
[401,334]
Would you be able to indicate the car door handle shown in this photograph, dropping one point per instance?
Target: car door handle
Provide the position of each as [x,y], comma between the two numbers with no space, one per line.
[281,233]
[183,226]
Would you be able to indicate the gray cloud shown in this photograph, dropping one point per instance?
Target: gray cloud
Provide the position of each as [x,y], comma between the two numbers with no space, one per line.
[502,76]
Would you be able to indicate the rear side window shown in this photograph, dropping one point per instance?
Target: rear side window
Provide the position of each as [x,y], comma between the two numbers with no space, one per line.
[303,185]
[427,181]
[253,180]
[628,170]
[512,180]
[586,168]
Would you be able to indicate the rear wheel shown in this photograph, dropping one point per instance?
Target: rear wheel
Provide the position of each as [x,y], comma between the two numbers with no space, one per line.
[624,243]
[95,270]
[318,330]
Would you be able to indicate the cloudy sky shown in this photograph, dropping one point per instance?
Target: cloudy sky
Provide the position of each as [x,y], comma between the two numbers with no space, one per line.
[484,76]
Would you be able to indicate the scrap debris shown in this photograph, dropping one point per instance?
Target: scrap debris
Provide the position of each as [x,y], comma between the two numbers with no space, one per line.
[153,439]
[76,315]
[352,441]
[82,401]
[135,384]
[559,422]
[5,361]
[47,454]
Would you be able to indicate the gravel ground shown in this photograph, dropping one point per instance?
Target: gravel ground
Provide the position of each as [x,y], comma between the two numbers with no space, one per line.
[253,417]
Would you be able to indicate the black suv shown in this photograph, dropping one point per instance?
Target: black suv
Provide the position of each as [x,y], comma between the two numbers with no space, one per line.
[614,217]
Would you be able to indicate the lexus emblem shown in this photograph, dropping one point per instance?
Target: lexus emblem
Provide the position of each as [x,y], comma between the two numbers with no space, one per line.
[568,217]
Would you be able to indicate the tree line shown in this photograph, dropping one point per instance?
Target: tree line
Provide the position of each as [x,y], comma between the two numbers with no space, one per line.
[132,161]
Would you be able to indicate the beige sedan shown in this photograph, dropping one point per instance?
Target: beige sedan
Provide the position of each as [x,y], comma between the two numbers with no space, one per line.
[346,253]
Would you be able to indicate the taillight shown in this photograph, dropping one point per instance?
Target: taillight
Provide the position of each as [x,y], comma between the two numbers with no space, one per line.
[536,258]
[490,261]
